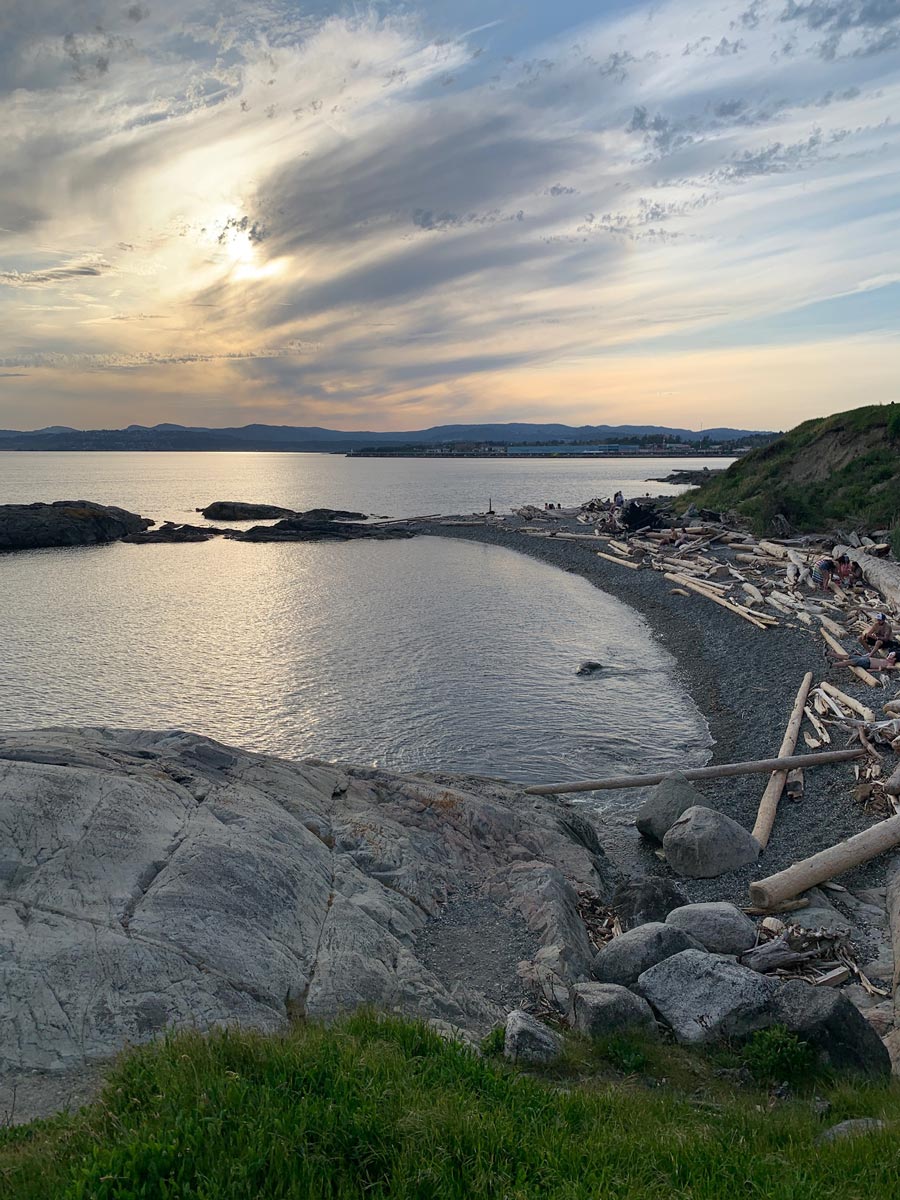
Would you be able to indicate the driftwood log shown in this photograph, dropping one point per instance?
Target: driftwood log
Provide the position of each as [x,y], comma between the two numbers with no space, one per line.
[881,573]
[769,956]
[768,806]
[723,771]
[878,839]
[853,705]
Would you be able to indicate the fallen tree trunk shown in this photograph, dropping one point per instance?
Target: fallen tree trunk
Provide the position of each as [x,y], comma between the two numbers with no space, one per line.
[826,864]
[768,806]
[880,572]
[723,771]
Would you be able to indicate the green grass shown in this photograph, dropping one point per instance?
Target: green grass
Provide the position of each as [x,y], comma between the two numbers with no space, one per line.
[865,491]
[383,1108]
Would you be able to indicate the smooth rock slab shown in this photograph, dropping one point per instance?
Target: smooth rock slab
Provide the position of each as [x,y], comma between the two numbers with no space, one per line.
[719,927]
[529,1041]
[704,999]
[150,880]
[600,1009]
[628,956]
[704,843]
[664,806]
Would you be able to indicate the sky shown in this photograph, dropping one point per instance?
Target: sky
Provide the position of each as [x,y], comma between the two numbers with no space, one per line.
[214,212]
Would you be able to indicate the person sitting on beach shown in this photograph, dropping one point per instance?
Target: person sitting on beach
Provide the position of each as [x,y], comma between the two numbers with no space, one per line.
[879,635]
[868,662]
[827,572]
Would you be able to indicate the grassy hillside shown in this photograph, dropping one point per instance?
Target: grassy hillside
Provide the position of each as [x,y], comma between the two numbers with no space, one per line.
[383,1108]
[840,469]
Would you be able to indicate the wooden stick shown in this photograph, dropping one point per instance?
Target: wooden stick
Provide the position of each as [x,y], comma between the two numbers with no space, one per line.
[817,724]
[826,864]
[723,771]
[768,806]
[865,713]
[621,562]
[685,581]
[839,649]
[788,906]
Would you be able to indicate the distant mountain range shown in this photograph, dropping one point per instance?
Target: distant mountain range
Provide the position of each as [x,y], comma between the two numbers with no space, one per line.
[289,437]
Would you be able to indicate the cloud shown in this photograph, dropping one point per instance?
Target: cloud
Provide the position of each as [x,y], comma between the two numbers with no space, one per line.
[380,209]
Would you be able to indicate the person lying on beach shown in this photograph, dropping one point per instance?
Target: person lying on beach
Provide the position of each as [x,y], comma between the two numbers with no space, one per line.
[868,662]
[879,635]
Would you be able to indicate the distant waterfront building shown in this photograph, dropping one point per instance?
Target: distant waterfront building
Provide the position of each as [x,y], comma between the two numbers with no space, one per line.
[602,450]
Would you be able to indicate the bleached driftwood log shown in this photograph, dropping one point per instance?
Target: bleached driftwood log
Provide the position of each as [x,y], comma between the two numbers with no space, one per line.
[801,876]
[768,806]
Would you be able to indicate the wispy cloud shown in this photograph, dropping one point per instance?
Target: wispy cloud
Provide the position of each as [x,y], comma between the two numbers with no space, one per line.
[385,212]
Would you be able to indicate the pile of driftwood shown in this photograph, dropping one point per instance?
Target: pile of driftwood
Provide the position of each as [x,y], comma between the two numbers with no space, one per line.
[825,957]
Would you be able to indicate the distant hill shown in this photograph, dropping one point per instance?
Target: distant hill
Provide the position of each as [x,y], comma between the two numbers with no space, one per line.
[288,437]
[839,469]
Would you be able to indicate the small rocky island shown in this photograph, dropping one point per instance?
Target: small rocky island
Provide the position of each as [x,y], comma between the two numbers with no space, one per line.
[65,523]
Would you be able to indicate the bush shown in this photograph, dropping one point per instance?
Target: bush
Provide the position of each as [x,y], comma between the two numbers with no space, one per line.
[623,1053]
[775,1055]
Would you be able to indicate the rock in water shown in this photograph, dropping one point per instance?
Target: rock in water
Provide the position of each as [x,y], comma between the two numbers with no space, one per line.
[150,880]
[236,510]
[720,928]
[704,843]
[664,806]
[588,667]
[529,1041]
[305,528]
[65,523]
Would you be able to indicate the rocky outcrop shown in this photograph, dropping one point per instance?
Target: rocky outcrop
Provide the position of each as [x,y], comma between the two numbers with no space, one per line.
[309,528]
[704,843]
[150,880]
[236,510]
[65,523]
[170,532]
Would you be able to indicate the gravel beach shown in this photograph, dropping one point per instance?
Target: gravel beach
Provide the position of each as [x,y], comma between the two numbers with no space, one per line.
[744,680]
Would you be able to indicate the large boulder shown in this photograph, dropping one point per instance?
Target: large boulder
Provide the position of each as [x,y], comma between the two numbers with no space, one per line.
[664,806]
[529,1041]
[65,523]
[704,998]
[646,898]
[704,843]
[151,880]
[600,1009]
[719,927]
[834,1026]
[626,957]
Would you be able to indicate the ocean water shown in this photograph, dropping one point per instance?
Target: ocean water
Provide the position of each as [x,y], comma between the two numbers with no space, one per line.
[422,654]
[171,486]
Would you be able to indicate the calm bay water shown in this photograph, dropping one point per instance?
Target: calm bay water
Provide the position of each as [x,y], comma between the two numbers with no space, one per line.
[172,486]
[427,653]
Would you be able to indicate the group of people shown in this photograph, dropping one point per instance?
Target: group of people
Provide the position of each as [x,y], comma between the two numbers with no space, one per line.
[878,637]
[828,573]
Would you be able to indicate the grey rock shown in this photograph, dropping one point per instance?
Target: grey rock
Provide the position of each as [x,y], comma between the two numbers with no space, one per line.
[628,956]
[646,898]
[151,880]
[664,806]
[705,998]
[169,532]
[65,523]
[719,927]
[310,528]
[855,1127]
[704,843]
[833,1026]
[600,1009]
[529,1041]
[588,667]
[881,1017]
